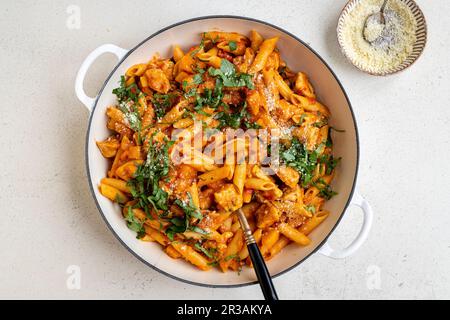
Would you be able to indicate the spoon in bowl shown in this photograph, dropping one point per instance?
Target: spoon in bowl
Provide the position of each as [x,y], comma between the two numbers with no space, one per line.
[375,25]
[263,275]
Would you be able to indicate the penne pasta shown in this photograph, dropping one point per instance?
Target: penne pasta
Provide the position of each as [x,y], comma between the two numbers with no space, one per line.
[255,39]
[157,236]
[214,176]
[269,238]
[221,126]
[232,250]
[113,194]
[278,246]
[313,222]
[172,252]
[264,51]
[240,173]
[116,183]
[177,53]
[217,36]
[136,70]
[191,256]
[259,184]
[293,234]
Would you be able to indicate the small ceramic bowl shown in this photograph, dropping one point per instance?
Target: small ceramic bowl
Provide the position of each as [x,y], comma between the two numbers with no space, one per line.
[418,47]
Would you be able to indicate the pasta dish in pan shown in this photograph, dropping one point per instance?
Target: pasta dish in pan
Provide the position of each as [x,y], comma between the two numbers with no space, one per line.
[222,126]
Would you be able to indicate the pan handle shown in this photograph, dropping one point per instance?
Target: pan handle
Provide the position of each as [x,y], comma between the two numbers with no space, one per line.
[79,90]
[359,201]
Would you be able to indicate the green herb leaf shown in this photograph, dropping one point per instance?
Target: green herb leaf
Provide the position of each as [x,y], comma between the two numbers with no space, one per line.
[190,210]
[201,46]
[232,45]
[125,93]
[180,225]
[305,162]
[310,208]
[145,183]
[208,253]
[321,123]
[231,257]
[324,189]
[134,224]
[162,103]
[198,78]
[198,230]
[230,78]
[128,97]
[234,119]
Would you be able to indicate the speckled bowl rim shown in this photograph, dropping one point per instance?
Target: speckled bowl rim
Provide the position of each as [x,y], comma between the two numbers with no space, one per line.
[422,30]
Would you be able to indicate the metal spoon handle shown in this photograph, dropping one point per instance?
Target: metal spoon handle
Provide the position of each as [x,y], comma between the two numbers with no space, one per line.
[383,6]
[382,18]
[263,275]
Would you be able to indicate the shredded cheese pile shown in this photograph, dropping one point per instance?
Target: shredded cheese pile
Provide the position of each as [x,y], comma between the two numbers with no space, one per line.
[396,41]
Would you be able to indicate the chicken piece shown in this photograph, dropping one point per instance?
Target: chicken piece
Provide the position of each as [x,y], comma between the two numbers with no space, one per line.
[267,215]
[127,170]
[212,219]
[206,198]
[303,86]
[157,80]
[228,198]
[165,66]
[109,147]
[178,180]
[289,176]
[232,97]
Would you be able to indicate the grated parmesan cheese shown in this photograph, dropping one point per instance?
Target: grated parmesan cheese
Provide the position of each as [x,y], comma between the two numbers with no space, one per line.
[394,45]
[374,28]
[270,100]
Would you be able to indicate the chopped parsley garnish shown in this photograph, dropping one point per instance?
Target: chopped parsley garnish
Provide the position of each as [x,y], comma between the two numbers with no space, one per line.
[162,103]
[226,76]
[128,98]
[145,183]
[191,93]
[209,253]
[210,98]
[324,189]
[230,77]
[232,45]
[321,123]
[198,78]
[125,93]
[189,209]
[232,120]
[199,70]
[200,46]
[251,125]
[305,161]
[236,119]
[180,225]
[310,208]
[231,257]
[134,224]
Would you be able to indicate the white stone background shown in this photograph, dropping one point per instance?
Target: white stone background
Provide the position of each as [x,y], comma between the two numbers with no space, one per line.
[49,220]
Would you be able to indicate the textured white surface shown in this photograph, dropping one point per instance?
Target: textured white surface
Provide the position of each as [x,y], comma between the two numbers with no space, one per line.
[49,220]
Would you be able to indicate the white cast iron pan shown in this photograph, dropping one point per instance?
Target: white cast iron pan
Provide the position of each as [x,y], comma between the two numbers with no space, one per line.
[298,56]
